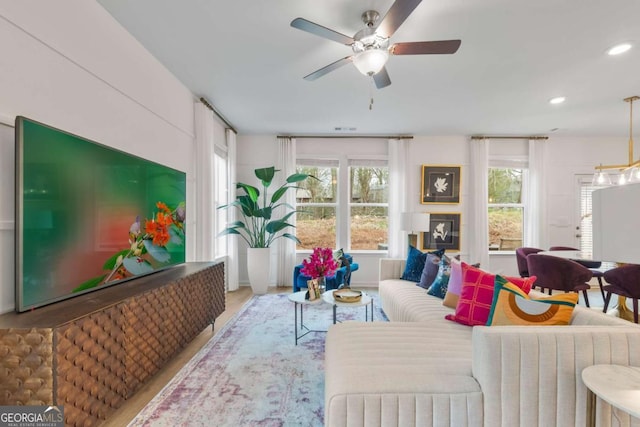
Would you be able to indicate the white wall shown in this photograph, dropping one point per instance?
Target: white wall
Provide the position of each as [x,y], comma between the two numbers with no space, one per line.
[567,157]
[72,66]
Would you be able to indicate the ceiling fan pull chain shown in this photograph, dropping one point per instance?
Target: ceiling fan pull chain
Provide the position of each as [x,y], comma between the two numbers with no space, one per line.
[371,94]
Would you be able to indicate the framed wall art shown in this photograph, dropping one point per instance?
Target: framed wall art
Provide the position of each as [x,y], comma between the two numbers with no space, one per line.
[444,232]
[440,184]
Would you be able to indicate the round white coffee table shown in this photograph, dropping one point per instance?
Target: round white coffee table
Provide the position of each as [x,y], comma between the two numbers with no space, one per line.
[298,298]
[365,301]
[617,385]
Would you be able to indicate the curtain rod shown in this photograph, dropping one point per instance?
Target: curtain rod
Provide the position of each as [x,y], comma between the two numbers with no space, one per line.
[481,137]
[217,113]
[346,136]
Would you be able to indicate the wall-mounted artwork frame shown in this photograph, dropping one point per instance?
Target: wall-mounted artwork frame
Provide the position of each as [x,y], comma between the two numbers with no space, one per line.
[440,184]
[444,232]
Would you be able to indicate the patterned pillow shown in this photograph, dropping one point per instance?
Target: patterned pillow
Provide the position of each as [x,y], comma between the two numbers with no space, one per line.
[414,266]
[476,295]
[431,267]
[439,286]
[455,284]
[511,306]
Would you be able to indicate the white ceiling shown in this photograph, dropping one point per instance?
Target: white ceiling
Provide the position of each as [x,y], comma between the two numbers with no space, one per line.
[245,58]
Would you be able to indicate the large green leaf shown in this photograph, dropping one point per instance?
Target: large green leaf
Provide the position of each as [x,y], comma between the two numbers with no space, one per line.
[266,175]
[264,213]
[251,191]
[292,237]
[297,177]
[277,225]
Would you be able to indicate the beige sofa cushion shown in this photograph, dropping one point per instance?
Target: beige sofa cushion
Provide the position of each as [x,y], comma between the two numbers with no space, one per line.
[379,373]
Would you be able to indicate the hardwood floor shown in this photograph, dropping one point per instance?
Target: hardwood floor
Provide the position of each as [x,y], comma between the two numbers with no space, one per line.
[235,300]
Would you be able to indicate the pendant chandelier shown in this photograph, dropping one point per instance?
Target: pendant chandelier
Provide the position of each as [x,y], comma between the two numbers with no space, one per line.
[629,172]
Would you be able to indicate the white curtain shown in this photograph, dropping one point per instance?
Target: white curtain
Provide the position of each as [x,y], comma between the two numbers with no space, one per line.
[478,239]
[535,231]
[286,248]
[232,241]
[205,183]
[398,161]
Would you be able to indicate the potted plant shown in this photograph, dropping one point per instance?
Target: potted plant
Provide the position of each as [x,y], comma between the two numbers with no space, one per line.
[257,226]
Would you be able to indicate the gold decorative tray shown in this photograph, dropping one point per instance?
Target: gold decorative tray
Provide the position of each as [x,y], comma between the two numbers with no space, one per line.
[347,295]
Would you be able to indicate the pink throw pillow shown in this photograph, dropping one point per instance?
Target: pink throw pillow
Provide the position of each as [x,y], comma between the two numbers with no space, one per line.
[476,295]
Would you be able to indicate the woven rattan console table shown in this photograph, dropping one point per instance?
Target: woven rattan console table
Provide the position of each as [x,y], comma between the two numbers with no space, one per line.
[93,352]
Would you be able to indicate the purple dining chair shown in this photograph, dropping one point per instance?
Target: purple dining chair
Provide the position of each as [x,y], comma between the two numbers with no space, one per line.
[555,273]
[623,281]
[591,265]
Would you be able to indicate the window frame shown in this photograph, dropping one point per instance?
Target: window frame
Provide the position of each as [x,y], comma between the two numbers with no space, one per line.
[512,162]
[343,202]
[364,162]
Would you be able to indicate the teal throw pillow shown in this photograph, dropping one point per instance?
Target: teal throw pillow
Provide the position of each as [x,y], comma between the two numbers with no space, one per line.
[414,265]
[439,286]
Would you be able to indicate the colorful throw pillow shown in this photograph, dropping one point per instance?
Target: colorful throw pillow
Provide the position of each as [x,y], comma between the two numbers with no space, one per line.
[431,267]
[439,286]
[455,284]
[511,306]
[476,295]
[414,265]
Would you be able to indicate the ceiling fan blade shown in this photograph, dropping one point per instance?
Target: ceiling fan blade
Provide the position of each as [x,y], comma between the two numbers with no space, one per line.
[381,78]
[425,48]
[319,30]
[396,15]
[329,68]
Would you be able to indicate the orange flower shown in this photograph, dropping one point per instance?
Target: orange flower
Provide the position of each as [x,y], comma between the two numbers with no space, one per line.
[158,229]
[163,207]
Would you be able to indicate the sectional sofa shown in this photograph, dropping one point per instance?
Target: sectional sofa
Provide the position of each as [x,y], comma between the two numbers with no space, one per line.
[422,370]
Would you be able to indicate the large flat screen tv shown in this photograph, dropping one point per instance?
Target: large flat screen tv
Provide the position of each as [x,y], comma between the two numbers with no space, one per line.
[89,216]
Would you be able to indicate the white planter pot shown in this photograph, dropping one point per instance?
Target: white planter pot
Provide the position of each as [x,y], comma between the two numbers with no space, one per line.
[259,268]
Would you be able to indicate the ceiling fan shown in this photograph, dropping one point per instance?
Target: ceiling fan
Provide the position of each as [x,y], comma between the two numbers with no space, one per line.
[371,45]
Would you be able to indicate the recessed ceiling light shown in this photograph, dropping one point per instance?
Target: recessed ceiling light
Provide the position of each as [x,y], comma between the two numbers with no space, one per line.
[618,49]
[557,100]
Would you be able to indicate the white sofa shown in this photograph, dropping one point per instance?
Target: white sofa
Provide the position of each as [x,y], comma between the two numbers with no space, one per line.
[423,370]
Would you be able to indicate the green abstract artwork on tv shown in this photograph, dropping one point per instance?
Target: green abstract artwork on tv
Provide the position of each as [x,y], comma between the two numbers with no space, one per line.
[89,216]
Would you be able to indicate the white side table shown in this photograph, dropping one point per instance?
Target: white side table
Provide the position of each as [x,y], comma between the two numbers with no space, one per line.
[365,301]
[298,298]
[617,385]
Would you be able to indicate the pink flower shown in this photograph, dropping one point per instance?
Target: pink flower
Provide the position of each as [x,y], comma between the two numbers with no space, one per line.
[320,263]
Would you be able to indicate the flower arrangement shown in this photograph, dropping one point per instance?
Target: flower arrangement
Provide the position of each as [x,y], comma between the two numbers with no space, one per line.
[165,227]
[320,264]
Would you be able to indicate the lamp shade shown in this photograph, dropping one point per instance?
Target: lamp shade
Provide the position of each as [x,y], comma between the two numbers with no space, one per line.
[414,221]
[370,61]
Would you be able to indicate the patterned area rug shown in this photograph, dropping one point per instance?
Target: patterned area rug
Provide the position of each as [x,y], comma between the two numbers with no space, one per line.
[251,373]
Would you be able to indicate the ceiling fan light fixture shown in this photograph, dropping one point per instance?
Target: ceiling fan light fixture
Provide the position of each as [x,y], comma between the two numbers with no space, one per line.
[618,49]
[371,61]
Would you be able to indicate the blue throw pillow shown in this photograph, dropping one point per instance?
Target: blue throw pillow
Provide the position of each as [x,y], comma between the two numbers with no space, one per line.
[414,266]
[440,285]
[430,270]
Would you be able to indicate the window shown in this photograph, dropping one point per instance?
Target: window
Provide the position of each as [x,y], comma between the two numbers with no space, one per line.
[317,199]
[369,195]
[586,229]
[346,207]
[506,208]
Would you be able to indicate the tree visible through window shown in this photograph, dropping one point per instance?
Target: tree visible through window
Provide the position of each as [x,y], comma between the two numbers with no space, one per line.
[506,208]
[322,223]
[317,199]
[369,207]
